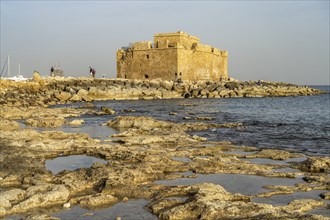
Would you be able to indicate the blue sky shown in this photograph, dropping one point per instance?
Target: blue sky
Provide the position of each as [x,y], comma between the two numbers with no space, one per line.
[270,40]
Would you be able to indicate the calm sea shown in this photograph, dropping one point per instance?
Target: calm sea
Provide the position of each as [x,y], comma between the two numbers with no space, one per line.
[300,124]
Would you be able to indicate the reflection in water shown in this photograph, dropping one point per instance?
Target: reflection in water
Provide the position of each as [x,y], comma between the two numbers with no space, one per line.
[130,210]
[234,183]
[285,199]
[72,162]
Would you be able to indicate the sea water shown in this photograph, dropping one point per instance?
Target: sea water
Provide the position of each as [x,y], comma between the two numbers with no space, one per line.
[300,123]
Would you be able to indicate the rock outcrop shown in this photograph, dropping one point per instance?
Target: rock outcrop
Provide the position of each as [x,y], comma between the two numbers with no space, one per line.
[146,150]
[59,90]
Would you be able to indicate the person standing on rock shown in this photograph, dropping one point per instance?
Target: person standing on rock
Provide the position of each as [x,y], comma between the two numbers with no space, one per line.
[52,71]
[92,71]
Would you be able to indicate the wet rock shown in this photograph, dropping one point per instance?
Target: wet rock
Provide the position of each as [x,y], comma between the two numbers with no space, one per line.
[210,201]
[42,196]
[128,110]
[88,105]
[98,200]
[325,195]
[107,110]
[46,122]
[76,122]
[141,122]
[273,154]
[315,164]
[82,179]
[41,216]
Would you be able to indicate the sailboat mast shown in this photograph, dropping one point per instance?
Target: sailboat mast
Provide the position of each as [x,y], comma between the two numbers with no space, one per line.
[8,65]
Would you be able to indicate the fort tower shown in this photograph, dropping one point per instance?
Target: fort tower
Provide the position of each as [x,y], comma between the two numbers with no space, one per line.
[170,54]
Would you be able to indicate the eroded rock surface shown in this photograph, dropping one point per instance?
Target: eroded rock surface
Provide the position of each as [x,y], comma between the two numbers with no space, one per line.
[210,201]
[315,164]
[141,154]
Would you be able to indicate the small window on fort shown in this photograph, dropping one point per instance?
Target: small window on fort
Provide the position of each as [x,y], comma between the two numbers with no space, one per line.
[146,76]
[125,76]
[147,56]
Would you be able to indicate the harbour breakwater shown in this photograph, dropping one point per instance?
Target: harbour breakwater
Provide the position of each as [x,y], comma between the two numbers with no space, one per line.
[145,152]
[59,90]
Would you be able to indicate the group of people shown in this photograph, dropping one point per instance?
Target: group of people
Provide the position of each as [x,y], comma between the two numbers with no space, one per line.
[91,71]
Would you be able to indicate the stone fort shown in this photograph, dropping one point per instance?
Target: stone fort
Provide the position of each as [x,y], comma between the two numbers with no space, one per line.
[172,54]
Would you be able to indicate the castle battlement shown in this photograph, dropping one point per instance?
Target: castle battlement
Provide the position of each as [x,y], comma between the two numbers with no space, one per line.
[169,55]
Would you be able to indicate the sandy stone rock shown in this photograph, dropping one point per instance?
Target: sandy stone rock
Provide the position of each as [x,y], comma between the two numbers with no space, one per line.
[36,77]
[315,164]
[223,93]
[46,122]
[76,122]
[211,201]
[166,94]
[63,96]
[107,110]
[7,198]
[168,85]
[8,125]
[155,83]
[67,205]
[83,94]
[52,195]
[98,200]
[41,216]
[141,122]
[75,98]
[272,154]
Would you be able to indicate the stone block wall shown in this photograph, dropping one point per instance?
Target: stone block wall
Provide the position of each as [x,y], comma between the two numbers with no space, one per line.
[172,53]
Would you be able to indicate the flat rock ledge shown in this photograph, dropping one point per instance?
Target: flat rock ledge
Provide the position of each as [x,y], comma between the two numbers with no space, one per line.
[147,150]
[210,201]
[143,153]
[60,90]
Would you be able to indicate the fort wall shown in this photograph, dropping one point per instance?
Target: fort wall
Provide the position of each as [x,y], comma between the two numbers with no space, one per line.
[172,53]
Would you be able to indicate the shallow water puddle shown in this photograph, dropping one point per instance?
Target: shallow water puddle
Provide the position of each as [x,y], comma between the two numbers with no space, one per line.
[234,183]
[325,211]
[132,209]
[181,159]
[72,162]
[239,152]
[275,162]
[286,198]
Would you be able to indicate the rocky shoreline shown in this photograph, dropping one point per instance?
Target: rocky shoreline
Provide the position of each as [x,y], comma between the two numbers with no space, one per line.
[59,90]
[144,152]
